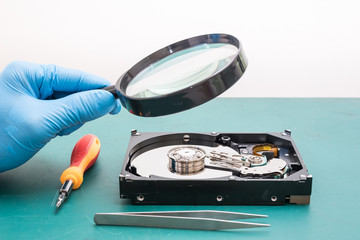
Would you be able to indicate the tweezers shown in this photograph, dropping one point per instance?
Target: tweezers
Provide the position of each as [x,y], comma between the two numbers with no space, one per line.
[199,220]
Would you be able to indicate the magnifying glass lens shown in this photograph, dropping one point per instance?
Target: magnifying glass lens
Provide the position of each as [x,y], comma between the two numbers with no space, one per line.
[181,70]
[181,76]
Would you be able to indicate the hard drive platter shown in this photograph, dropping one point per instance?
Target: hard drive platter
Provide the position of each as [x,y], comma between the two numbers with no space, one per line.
[214,168]
[159,166]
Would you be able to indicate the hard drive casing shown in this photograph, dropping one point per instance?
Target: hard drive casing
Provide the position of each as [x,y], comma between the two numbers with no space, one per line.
[230,190]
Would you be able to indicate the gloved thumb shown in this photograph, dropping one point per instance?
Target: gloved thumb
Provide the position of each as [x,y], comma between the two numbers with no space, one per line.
[78,108]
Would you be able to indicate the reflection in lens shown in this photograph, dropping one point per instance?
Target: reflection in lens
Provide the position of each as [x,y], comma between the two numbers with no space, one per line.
[181,70]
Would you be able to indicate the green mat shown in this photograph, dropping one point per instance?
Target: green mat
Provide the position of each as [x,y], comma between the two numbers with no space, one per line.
[326,132]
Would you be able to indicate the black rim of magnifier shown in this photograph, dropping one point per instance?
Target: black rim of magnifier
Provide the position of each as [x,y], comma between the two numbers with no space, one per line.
[188,97]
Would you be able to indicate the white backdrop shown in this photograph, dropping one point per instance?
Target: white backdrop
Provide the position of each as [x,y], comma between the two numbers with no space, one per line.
[308,48]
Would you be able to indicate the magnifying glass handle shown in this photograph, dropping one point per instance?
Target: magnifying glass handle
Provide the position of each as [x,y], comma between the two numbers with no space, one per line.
[112,90]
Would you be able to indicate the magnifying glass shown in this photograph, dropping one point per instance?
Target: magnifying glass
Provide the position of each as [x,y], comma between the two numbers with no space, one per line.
[181,76]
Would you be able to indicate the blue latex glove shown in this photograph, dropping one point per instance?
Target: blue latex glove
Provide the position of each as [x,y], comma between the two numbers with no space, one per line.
[39,102]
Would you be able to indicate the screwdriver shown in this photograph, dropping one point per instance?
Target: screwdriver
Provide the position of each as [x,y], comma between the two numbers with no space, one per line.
[83,156]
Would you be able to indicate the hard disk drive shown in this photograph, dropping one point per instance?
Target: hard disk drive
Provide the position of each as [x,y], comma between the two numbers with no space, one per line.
[214,169]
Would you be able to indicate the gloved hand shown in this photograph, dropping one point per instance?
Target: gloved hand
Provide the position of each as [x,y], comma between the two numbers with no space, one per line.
[39,102]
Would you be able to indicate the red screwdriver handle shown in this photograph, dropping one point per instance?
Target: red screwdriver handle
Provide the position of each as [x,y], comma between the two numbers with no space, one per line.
[87,146]
[83,156]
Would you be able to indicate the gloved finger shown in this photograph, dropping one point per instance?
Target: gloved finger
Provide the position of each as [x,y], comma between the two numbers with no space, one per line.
[42,81]
[79,108]
[62,79]
[57,95]
[117,107]
[69,130]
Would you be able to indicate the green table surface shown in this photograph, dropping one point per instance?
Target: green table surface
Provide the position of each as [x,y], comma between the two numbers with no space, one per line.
[326,132]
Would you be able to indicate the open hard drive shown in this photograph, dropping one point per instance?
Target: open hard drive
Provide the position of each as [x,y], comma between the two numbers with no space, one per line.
[214,168]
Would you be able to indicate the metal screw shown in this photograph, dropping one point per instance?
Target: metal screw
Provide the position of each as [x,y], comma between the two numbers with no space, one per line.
[274,198]
[140,198]
[134,132]
[213,133]
[225,138]
[287,132]
[186,138]
[232,178]
[219,198]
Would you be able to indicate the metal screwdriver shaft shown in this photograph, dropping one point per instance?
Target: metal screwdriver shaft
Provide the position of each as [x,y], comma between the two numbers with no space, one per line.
[64,192]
